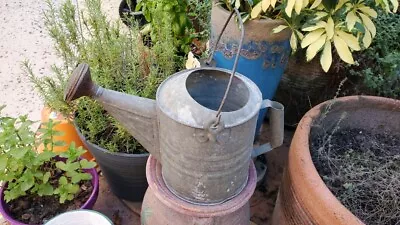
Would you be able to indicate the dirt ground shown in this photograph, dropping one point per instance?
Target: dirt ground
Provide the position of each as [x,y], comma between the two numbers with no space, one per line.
[23,37]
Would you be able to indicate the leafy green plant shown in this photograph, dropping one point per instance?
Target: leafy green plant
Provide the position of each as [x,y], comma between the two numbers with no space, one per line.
[183,15]
[317,24]
[28,172]
[379,65]
[119,60]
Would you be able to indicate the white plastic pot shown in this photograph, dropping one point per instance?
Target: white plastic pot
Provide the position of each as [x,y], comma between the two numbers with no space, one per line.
[81,217]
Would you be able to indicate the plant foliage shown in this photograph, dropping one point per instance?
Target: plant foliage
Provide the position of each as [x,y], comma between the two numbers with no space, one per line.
[189,19]
[28,172]
[320,26]
[379,65]
[118,60]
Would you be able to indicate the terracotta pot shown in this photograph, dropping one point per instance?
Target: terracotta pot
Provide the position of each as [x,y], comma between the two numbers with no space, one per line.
[66,125]
[87,205]
[160,206]
[303,197]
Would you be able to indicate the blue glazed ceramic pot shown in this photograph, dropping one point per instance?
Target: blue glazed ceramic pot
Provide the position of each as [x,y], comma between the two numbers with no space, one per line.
[264,55]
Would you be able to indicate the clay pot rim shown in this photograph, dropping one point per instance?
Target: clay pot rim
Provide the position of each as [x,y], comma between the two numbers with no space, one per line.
[302,166]
[103,150]
[255,21]
[160,190]
[88,204]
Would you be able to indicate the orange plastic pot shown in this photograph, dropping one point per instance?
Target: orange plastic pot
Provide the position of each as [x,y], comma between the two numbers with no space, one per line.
[66,126]
[303,196]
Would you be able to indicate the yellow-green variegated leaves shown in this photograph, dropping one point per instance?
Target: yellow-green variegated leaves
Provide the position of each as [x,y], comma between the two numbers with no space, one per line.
[296,5]
[343,49]
[256,11]
[326,56]
[386,5]
[261,7]
[360,13]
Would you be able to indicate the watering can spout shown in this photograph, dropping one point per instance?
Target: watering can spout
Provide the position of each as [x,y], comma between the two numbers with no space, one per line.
[138,115]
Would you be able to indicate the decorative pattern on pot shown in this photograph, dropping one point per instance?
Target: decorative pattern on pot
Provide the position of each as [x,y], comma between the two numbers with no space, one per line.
[264,55]
[303,198]
[161,205]
[178,128]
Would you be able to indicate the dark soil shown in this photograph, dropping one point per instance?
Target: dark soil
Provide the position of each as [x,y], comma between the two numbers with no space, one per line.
[33,209]
[362,169]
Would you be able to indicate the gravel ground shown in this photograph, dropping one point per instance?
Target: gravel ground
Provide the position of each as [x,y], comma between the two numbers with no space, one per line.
[23,36]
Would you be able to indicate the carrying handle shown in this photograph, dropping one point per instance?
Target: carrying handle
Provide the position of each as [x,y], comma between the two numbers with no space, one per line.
[276,125]
[215,122]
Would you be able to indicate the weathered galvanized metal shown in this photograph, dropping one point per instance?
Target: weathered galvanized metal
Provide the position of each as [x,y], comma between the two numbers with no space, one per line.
[160,206]
[201,163]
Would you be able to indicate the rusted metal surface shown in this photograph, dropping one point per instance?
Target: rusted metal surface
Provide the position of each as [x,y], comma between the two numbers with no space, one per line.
[213,161]
[161,206]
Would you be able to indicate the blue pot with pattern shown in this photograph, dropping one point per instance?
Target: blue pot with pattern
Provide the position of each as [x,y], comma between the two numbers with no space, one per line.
[264,55]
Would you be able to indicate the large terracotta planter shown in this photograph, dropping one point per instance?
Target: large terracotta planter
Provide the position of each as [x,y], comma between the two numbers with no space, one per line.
[66,125]
[303,197]
[264,54]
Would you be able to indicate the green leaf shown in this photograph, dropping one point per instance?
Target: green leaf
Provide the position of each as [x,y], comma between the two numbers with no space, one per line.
[85,164]
[3,162]
[63,180]
[67,166]
[45,189]
[59,143]
[330,4]
[46,156]
[46,177]
[29,181]
[19,153]
[73,188]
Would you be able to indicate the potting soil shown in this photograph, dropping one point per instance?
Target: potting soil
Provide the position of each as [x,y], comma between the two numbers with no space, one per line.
[33,209]
[362,169]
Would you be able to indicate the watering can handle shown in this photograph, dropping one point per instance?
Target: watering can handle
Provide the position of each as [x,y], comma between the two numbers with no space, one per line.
[216,121]
[276,125]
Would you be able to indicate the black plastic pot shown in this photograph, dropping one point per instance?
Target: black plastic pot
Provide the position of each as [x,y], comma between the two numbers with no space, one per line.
[125,173]
[127,12]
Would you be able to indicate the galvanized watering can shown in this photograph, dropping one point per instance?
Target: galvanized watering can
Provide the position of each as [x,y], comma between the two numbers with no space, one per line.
[201,131]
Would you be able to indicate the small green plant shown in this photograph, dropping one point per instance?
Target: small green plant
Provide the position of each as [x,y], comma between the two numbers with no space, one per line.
[28,172]
[189,19]
[320,26]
